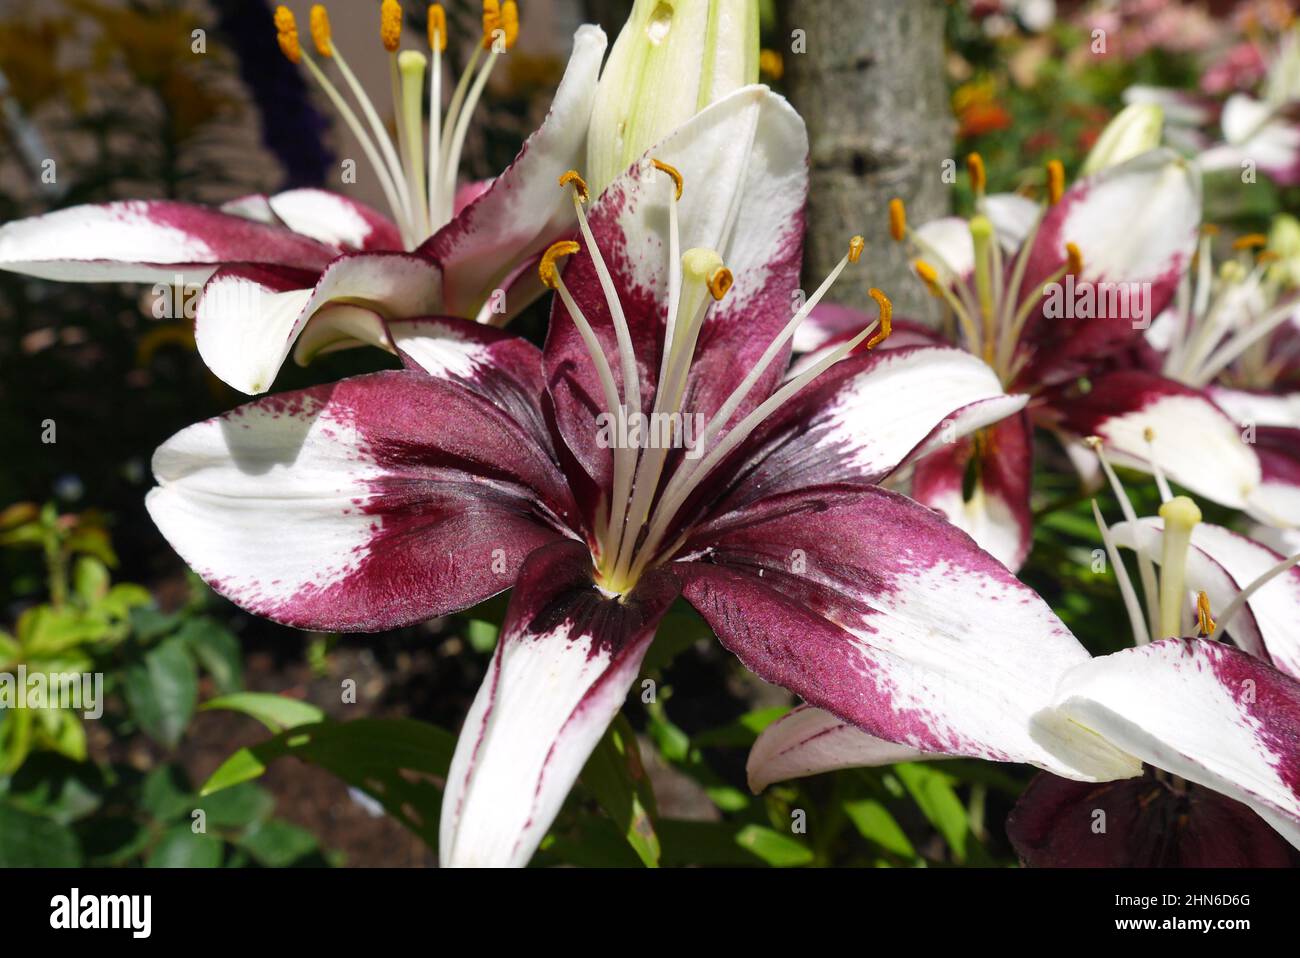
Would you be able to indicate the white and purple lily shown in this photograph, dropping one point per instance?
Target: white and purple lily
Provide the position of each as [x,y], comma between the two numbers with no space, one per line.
[1219,724]
[487,464]
[1234,332]
[308,270]
[1047,294]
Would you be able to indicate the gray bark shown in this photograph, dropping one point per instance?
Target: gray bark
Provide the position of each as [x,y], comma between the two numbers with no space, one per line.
[871,88]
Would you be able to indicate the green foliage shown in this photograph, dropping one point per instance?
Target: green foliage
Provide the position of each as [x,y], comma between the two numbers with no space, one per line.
[399,763]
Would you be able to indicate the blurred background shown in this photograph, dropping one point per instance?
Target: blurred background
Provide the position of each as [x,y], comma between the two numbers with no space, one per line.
[191,100]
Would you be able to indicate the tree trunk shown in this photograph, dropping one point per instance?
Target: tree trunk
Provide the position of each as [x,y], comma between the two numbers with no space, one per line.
[871,88]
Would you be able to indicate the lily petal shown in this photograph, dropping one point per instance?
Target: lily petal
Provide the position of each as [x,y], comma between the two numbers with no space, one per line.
[996,514]
[149,241]
[1136,225]
[865,417]
[808,741]
[248,321]
[524,210]
[743,162]
[874,608]
[368,504]
[1277,500]
[1194,442]
[335,219]
[1205,711]
[567,656]
[1222,563]
[1255,134]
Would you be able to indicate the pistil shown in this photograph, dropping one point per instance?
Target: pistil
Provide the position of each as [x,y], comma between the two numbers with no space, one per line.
[631,528]
[1181,516]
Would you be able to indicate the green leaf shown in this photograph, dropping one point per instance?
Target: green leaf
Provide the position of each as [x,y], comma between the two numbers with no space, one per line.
[394,761]
[243,766]
[55,787]
[723,843]
[148,624]
[60,730]
[31,841]
[277,844]
[166,794]
[124,597]
[15,739]
[481,635]
[112,840]
[590,842]
[934,795]
[10,650]
[615,776]
[276,712]
[90,579]
[777,850]
[92,541]
[238,806]
[740,733]
[216,650]
[45,630]
[874,823]
[162,690]
[679,629]
[180,847]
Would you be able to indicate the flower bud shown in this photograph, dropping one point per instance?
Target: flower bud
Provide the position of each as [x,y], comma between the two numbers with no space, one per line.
[671,60]
[1135,129]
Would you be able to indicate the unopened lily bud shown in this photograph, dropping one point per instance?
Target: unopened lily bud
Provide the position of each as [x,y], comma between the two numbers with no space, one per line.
[1135,129]
[671,60]
[1284,242]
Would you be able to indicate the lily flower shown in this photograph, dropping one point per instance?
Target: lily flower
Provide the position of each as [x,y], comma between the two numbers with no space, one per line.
[319,270]
[1234,332]
[1043,292]
[1217,725]
[387,499]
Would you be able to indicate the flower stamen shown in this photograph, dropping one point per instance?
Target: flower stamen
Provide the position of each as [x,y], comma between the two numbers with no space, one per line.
[1204,620]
